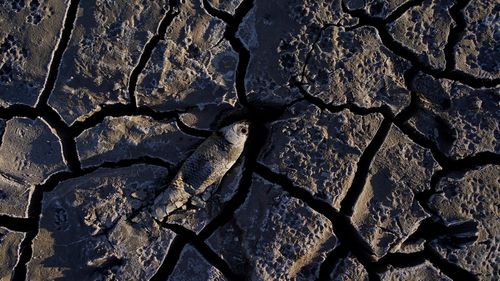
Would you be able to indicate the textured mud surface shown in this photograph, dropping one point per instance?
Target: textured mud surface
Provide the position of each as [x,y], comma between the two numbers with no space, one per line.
[373,149]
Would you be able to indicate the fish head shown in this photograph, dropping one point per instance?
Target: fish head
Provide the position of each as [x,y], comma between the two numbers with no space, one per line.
[236,133]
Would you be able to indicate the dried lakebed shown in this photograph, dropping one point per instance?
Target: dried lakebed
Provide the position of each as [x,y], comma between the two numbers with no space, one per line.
[372,152]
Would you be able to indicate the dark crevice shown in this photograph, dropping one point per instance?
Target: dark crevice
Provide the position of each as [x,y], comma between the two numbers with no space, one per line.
[406,53]
[192,131]
[331,260]
[199,244]
[220,14]
[25,248]
[171,258]
[456,33]
[18,110]
[451,270]
[350,238]
[411,109]
[130,162]
[454,235]
[434,227]
[69,22]
[35,204]
[148,49]
[118,110]
[400,260]
[345,231]
[18,224]
[363,168]
[356,109]
[404,260]
[68,144]
[401,10]
[479,159]
[25,252]
[233,23]
[255,143]
[294,82]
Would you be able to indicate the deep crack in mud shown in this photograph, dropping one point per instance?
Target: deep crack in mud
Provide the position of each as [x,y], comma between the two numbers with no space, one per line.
[372,154]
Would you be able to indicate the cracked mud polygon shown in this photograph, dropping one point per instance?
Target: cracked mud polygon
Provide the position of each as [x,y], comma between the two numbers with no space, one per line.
[372,154]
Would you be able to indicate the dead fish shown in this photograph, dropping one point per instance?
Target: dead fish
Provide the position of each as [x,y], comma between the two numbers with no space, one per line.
[204,167]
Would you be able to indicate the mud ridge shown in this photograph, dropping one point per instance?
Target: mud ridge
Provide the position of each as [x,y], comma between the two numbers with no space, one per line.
[149,47]
[69,23]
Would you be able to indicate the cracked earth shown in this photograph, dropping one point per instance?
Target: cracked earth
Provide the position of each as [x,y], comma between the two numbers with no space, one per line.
[373,151]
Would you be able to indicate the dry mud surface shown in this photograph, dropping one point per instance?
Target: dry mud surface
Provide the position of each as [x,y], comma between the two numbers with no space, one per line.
[373,151]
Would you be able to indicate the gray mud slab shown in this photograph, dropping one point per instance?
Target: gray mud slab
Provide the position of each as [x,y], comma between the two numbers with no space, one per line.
[87,231]
[478,52]
[355,67]
[130,137]
[193,67]
[29,34]
[461,120]
[471,200]
[106,43]
[262,31]
[425,271]
[279,34]
[29,154]
[349,269]
[425,30]
[274,236]
[319,150]
[9,245]
[226,5]
[193,267]
[387,212]
[201,210]
[376,8]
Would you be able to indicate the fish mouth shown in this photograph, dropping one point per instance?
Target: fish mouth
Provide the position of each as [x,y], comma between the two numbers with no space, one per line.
[244,127]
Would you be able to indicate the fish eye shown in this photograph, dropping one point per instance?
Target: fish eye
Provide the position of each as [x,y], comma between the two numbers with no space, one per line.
[244,130]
